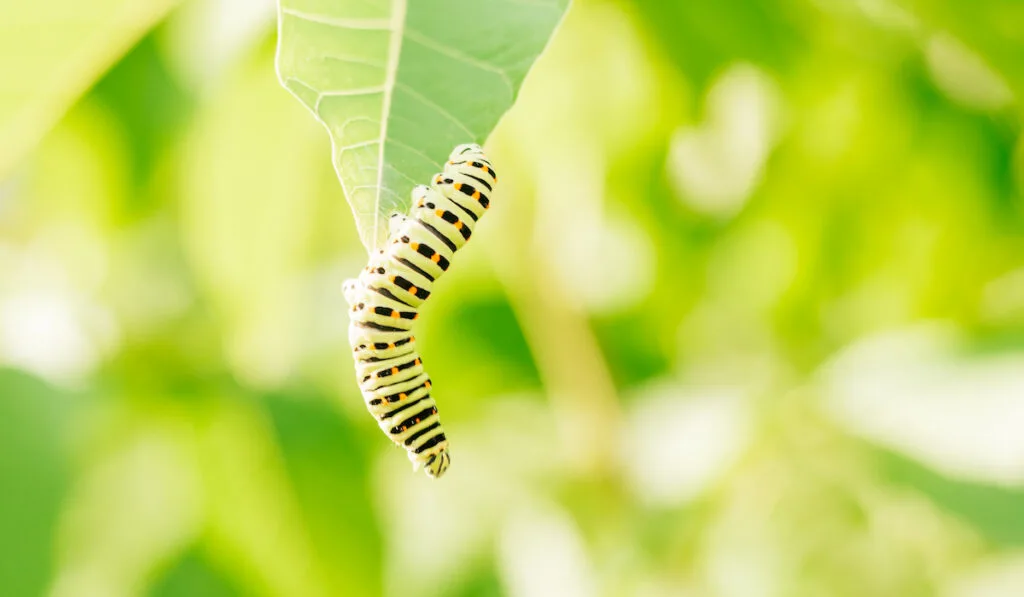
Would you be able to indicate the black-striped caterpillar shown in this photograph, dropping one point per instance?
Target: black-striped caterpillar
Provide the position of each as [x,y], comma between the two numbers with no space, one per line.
[386,297]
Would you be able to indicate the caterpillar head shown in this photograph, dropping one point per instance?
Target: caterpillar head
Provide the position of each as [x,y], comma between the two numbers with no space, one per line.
[434,461]
[466,149]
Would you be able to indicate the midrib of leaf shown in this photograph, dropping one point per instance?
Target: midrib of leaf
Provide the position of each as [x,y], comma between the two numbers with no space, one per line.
[394,51]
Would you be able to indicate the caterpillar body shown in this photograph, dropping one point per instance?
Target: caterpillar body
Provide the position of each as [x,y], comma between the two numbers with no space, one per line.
[386,296]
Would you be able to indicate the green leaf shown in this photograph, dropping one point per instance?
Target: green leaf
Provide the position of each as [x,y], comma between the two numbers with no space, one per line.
[194,575]
[989,27]
[330,480]
[34,475]
[251,183]
[704,37]
[993,510]
[399,83]
[51,51]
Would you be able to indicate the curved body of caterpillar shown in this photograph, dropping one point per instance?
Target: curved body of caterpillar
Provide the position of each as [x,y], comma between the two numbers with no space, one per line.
[386,297]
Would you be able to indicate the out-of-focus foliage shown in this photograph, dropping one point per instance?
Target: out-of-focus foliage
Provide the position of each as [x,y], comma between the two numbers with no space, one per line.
[747,319]
[32,452]
[51,51]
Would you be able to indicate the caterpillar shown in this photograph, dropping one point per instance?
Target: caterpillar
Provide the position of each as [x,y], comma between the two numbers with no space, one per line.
[385,298]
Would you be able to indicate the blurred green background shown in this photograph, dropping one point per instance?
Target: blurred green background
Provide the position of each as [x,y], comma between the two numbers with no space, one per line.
[746,321]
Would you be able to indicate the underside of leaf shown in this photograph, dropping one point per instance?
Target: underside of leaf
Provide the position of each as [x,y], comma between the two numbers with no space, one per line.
[398,83]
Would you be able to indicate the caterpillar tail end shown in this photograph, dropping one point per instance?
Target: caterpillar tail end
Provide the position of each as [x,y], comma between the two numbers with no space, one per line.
[434,463]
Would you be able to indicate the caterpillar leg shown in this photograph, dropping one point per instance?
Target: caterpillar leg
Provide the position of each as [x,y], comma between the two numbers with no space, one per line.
[350,288]
[395,222]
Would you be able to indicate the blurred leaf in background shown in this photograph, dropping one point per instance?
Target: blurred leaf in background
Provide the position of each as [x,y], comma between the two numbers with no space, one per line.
[34,475]
[52,52]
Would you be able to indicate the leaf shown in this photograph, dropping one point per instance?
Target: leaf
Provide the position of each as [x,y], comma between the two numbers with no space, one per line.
[702,38]
[399,83]
[34,474]
[51,51]
[989,27]
[328,475]
[194,575]
[993,510]
[249,206]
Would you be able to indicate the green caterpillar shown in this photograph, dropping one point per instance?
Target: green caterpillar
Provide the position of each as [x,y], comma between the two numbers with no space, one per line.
[386,297]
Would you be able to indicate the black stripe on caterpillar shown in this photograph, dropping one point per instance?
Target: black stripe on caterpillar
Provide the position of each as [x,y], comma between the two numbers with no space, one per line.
[386,297]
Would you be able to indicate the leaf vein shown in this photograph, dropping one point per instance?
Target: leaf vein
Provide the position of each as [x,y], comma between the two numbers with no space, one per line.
[405,176]
[394,49]
[414,151]
[345,93]
[355,60]
[456,54]
[370,24]
[358,145]
[437,108]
